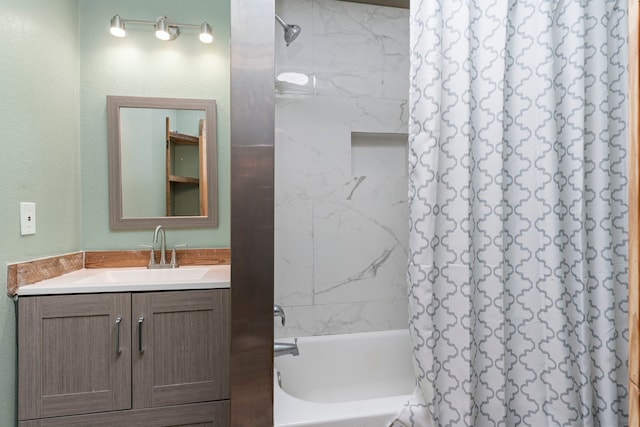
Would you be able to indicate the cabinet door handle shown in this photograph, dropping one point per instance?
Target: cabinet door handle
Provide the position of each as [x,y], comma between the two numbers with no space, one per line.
[118,322]
[140,320]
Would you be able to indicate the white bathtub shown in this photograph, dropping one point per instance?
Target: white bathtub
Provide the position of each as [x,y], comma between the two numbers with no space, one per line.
[350,380]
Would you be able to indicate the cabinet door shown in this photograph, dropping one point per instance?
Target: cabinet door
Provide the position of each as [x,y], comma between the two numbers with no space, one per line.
[181,347]
[69,362]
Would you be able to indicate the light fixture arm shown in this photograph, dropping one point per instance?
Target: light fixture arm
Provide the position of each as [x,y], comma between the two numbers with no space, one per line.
[137,21]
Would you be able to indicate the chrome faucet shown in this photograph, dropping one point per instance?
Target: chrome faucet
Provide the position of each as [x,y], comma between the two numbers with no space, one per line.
[163,245]
[282,348]
[163,251]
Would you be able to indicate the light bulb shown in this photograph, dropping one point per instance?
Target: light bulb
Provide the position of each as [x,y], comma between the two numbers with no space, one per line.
[162,29]
[206,35]
[117,27]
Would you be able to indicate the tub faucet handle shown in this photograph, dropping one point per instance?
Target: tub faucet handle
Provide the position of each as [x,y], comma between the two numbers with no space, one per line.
[278,312]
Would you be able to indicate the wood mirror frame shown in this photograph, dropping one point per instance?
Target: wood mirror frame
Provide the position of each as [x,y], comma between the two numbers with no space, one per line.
[117,220]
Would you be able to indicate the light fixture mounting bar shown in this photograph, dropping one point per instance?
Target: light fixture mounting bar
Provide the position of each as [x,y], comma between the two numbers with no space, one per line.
[137,21]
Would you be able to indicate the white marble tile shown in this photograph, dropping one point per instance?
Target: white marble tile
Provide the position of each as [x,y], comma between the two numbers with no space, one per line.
[312,152]
[344,48]
[293,253]
[361,50]
[348,56]
[360,250]
[392,189]
[329,319]
[379,115]
[341,240]
[394,28]
[313,140]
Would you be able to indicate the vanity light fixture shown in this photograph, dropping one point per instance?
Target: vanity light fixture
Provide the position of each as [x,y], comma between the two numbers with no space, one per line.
[165,28]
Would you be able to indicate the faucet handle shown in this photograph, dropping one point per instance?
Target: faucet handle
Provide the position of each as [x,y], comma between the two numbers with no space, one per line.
[152,255]
[278,312]
[174,259]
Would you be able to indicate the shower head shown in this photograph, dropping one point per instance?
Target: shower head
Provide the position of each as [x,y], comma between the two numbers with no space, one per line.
[290,31]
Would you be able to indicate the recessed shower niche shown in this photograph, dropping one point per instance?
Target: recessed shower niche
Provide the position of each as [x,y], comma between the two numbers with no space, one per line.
[379,154]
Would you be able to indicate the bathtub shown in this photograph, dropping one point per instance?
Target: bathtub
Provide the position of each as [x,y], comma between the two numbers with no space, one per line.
[350,380]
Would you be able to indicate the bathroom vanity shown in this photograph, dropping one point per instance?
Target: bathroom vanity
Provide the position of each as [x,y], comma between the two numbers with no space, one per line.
[94,354]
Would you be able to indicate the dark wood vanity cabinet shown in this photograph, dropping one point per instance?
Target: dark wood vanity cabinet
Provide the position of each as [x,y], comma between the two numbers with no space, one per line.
[135,359]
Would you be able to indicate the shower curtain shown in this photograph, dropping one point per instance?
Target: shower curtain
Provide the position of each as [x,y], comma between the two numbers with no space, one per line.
[518,213]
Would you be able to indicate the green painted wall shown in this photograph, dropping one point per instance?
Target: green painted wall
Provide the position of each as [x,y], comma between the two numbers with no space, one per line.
[141,65]
[58,64]
[40,161]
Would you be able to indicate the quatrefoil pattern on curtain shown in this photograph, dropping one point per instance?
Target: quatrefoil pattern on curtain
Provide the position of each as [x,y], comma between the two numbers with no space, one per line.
[518,213]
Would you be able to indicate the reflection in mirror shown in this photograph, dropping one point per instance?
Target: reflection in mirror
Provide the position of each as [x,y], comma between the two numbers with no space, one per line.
[162,162]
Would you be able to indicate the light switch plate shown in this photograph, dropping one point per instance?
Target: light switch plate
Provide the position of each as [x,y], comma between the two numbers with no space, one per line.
[27,218]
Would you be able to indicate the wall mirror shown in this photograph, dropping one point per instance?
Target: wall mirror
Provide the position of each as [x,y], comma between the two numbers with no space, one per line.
[162,162]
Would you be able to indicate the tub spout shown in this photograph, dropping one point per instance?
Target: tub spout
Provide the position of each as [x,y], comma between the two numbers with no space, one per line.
[282,348]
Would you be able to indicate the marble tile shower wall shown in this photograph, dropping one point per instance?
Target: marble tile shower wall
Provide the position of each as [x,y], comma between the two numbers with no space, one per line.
[341,238]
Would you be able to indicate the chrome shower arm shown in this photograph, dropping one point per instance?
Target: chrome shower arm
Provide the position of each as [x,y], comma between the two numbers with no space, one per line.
[281,22]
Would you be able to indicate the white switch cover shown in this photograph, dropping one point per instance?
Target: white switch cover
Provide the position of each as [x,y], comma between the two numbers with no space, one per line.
[27,218]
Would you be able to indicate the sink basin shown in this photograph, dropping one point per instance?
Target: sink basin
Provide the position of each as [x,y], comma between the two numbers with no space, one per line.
[133,279]
[145,276]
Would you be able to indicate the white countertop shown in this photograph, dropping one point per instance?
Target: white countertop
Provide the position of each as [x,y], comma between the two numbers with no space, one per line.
[132,279]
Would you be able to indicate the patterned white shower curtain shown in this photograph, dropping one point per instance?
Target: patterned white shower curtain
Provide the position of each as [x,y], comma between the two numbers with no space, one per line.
[518,209]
